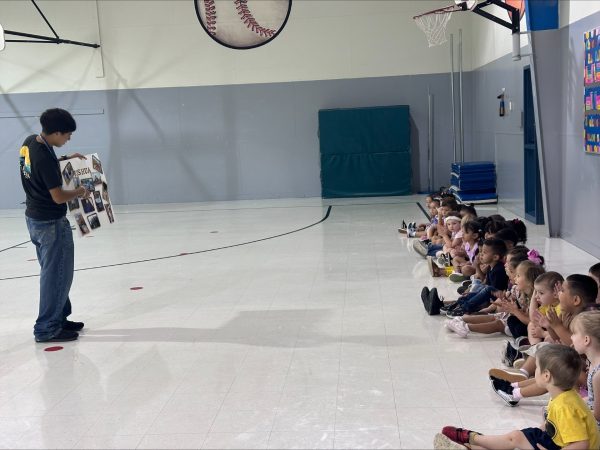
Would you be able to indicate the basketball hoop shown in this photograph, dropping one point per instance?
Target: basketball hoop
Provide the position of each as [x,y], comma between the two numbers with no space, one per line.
[433,23]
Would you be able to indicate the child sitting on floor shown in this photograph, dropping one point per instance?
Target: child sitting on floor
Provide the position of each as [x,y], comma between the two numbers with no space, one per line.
[413,230]
[586,340]
[423,245]
[452,238]
[569,423]
[545,297]
[492,255]
[526,273]
[462,260]
[576,294]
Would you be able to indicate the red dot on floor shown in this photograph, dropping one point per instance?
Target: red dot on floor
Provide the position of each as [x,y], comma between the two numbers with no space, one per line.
[53,349]
[136,288]
[183,254]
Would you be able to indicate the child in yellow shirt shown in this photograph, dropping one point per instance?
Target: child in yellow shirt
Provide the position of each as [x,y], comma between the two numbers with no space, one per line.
[569,423]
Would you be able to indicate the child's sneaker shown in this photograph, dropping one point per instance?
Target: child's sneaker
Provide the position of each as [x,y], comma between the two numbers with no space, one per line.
[441,442]
[420,247]
[501,385]
[434,270]
[456,312]
[512,376]
[518,363]
[464,287]
[449,306]
[458,326]
[521,343]
[505,396]
[458,435]
[457,277]
[425,296]
[434,303]
[509,354]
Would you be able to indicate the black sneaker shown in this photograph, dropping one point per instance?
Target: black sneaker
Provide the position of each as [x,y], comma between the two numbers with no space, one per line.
[456,312]
[499,384]
[510,354]
[73,326]
[63,336]
[508,398]
[434,303]
[449,306]
[425,296]
[462,289]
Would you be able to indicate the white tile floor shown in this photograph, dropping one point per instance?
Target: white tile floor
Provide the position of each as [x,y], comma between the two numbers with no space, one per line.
[316,339]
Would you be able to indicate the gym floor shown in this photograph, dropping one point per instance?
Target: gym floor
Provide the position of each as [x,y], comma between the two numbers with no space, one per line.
[313,339]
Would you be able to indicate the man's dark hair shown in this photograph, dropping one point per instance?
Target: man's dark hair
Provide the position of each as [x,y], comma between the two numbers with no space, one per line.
[57,120]
[595,270]
[497,246]
[584,287]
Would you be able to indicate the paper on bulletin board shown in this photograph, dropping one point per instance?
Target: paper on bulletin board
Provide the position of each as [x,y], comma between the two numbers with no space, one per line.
[92,213]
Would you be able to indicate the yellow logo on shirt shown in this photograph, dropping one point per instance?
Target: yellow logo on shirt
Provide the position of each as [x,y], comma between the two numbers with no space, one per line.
[25,162]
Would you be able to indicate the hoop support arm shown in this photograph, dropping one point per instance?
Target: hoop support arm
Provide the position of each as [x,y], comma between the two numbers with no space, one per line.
[514,26]
[36,38]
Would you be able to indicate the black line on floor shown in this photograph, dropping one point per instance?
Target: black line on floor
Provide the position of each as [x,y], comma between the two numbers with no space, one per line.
[14,246]
[187,253]
[424,212]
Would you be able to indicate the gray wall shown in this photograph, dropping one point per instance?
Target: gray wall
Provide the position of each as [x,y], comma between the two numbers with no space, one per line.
[222,142]
[580,213]
[496,138]
[572,176]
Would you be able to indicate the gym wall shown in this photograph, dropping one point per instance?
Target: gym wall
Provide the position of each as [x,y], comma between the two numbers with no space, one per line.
[177,118]
[501,138]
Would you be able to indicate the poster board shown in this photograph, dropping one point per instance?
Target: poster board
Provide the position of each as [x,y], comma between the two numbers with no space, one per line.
[94,212]
[591,87]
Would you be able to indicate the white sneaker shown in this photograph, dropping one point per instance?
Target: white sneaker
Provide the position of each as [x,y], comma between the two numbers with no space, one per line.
[458,326]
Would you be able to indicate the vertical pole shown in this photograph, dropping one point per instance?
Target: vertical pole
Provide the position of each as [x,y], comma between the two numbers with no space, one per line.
[452,94]
[430,142]
[460,96]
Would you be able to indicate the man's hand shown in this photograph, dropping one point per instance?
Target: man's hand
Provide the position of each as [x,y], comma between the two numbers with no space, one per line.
[74,155]
[82,192]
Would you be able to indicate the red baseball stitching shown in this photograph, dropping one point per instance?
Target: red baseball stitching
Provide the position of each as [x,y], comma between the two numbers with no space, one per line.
[249,20]
[211,16]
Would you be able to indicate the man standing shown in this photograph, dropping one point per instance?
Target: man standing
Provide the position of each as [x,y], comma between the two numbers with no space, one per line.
[49,229]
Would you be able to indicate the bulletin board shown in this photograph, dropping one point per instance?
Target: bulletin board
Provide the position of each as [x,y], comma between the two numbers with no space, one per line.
[94,212]
[591,85]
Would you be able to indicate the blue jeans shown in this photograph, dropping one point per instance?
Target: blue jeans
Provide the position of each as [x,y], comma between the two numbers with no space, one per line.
[474,301]
[432,249]
[53,240]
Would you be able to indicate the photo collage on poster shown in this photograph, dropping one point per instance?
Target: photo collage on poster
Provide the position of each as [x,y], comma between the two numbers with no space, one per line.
[591,82]
[94,211]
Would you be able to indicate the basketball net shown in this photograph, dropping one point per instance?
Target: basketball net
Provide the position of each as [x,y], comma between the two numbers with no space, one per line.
[433,23]
[434,27]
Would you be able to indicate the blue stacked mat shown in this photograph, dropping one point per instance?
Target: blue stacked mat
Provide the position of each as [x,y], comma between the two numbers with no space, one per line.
[474,182]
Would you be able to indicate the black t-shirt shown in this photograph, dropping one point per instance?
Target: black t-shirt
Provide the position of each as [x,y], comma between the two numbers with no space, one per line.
[40,172]
[497,278]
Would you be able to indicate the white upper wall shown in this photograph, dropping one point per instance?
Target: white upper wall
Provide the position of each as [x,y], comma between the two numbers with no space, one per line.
[161,44]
